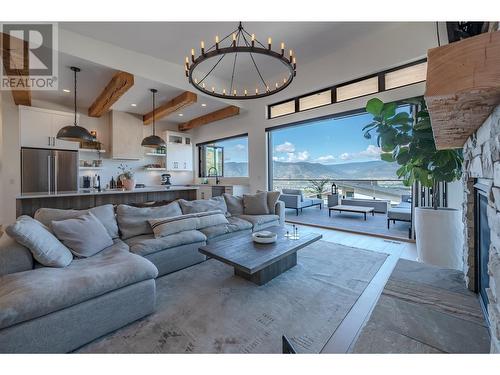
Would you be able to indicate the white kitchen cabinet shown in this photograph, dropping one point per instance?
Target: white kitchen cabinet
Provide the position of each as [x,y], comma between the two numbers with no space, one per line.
[179,151]
[126,136]
[204,192]
[210,191]
[38,128]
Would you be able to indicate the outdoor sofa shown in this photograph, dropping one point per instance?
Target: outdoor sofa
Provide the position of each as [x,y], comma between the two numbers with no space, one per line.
[294,198]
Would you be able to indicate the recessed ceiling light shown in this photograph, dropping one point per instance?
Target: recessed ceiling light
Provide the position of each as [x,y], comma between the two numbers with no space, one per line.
[133,105]
[203,105]
[66,90]
[181,114]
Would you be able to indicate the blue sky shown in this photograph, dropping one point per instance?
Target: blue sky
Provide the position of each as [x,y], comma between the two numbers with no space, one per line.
[332,141]
[235,149]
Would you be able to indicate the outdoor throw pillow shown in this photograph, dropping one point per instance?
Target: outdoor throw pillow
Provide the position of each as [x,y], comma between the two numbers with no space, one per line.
[84,236]
[44,246]
[255,204]
[171,225]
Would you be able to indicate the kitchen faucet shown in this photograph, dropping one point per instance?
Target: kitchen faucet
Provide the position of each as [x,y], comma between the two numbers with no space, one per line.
[216,175]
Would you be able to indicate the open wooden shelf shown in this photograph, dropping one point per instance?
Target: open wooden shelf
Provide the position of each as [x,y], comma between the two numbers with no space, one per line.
[156,169]
[91,150]
[91,168]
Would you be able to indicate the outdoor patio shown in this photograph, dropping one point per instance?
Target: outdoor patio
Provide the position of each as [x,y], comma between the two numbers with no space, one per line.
[376,224]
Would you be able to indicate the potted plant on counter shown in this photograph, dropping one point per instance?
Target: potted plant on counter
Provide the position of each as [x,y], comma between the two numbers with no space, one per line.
[126,177]
[409,141]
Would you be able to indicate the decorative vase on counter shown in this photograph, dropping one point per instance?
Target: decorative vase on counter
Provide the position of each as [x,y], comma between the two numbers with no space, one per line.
[128,184]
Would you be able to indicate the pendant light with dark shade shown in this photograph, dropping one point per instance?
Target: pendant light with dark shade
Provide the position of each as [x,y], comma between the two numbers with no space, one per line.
[153,141]
[74,133]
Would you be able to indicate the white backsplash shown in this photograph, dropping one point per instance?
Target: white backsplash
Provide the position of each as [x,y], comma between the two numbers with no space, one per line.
[142,176]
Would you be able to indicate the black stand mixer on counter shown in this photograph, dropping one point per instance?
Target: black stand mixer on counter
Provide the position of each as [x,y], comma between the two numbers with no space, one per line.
[165,179]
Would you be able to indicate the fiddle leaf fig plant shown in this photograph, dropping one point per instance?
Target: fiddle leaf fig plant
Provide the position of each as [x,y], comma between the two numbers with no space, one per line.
[409,141]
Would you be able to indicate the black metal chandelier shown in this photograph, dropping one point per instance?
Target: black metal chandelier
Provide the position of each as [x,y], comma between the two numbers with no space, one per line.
[239,43]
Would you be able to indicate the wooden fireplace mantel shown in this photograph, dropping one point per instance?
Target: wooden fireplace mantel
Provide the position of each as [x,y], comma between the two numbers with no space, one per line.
[463,87]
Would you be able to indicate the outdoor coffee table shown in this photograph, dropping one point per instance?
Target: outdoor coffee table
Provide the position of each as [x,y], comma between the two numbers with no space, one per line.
[259,263]
[346,208]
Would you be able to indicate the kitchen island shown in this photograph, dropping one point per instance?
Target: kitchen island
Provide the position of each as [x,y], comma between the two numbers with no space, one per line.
[28,203]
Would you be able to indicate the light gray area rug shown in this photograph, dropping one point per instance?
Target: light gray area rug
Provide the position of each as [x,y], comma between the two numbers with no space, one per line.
[206,309]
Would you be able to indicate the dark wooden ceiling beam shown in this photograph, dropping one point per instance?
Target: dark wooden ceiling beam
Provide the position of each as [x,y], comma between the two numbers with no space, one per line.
[211,117]
[114,90]
[12,56]
[181,101]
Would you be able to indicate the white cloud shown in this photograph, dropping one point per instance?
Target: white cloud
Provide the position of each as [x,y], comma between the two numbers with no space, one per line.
[325,159]
[239,147]
[371,152]
[285,147]
[346,156]
[298,156]
[293,157]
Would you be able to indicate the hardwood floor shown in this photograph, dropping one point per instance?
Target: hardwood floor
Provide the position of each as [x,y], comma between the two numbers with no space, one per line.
[346,334]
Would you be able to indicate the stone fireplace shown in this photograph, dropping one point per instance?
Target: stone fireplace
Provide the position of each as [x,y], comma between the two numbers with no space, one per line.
[482,212]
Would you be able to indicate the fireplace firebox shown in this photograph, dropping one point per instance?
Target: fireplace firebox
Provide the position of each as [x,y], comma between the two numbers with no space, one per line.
[482,244]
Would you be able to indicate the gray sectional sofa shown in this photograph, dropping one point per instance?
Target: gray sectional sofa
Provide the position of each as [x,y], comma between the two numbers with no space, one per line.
[57,310]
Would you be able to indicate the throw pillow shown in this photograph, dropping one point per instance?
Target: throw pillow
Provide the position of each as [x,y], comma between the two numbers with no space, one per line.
[255,204]
[44,246]
[272,199]
[84,236]
[203,205]
[171,225]
[234,204]
[133,221]
[105,214]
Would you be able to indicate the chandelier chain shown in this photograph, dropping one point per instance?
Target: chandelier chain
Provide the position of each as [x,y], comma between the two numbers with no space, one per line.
[255,64]
[234,62]
[217,63]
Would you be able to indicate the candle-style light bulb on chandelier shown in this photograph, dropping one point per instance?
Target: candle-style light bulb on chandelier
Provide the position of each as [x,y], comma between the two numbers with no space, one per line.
[205,70]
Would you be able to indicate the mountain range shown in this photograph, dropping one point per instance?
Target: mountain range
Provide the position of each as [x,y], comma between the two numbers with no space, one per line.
[377,169]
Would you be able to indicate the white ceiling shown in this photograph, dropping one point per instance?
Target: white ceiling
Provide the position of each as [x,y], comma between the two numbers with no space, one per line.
[172,41]
[93,78]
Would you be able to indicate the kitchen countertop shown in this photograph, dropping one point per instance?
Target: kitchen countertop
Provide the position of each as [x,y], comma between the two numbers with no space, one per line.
[148,189]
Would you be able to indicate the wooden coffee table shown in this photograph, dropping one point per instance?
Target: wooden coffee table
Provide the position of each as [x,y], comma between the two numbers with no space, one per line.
[259,263]
[346,208]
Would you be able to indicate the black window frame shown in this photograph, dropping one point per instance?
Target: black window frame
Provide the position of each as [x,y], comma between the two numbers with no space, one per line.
[213,142]
[333,90]
[349,113]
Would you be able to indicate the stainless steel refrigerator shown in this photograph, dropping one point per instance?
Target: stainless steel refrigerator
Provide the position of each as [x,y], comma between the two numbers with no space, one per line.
[48,171]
